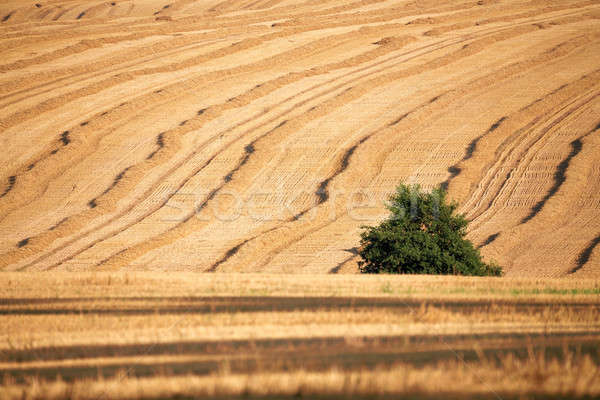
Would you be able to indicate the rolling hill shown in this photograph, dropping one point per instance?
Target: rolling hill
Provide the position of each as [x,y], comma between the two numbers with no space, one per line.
[258,136]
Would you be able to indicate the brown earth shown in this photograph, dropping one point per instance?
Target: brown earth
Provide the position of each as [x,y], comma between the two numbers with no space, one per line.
[260,135]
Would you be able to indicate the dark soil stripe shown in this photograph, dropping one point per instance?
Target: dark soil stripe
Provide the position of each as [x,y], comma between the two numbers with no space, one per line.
[7,16]
[160,142]
[455,169]
[11,183]
[585,255]
[64,138]
[324,357]
[559,179]
[308,301]
[202,305]
[490,239]
[412,343]
[560,174]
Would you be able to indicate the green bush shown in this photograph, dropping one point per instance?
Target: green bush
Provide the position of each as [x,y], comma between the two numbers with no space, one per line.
[423,235]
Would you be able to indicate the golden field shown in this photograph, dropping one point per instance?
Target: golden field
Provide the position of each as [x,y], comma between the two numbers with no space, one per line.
[258,136]
[189,335]
[146,141]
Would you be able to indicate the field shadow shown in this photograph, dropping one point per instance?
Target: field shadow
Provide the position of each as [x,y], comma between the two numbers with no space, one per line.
[318,354]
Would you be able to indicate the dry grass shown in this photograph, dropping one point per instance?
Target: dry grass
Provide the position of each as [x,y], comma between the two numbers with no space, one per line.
[570,377]
[171,307]
[259,135]
[140,284]
[136,335]
[52,330]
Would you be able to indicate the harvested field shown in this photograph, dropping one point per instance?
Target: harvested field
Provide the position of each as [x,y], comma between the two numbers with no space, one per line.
[189,136]
[105,335]
[258,136]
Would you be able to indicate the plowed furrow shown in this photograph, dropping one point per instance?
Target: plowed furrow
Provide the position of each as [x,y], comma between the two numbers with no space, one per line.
[302,233]
[232,136]
[265,89]
[515,158]
[341,64]
[353,93]
[536,111]
[559,175]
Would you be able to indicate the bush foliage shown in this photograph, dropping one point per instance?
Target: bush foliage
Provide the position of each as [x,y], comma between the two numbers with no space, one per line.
[423,235]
